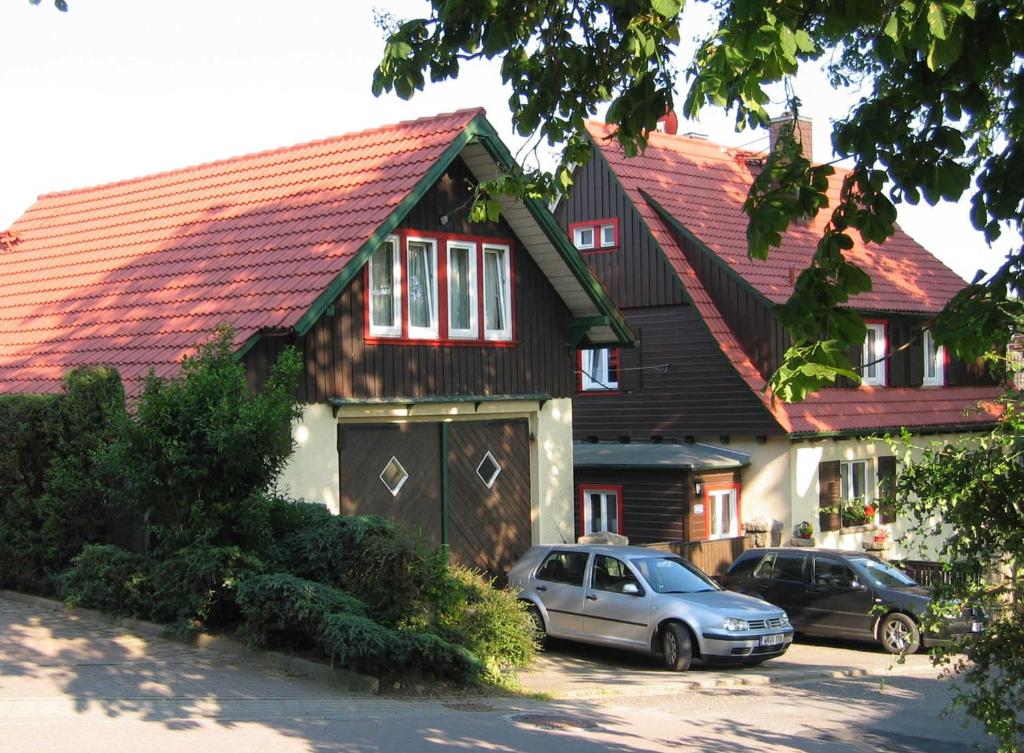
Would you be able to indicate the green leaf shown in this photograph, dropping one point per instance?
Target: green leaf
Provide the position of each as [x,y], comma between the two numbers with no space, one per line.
[667,8]
[937,20]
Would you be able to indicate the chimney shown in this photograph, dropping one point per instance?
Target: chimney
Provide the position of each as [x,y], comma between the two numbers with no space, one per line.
[784,123]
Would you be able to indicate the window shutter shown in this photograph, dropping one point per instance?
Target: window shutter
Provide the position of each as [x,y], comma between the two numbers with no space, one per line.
[887,488]
[829,489]
[630,375]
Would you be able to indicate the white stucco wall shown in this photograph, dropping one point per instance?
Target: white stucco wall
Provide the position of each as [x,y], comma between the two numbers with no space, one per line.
[767,482]
[312,472]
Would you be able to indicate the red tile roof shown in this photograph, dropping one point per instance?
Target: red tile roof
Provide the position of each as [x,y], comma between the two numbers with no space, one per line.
[703,186]
[686,186]
[134,274]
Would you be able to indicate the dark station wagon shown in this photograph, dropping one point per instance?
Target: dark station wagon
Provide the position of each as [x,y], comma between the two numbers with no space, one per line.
[845,594]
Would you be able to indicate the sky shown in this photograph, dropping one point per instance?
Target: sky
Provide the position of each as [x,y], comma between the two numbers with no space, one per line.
[121,88]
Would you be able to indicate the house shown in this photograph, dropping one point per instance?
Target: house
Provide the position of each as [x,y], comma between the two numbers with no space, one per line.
[678,439]
[439,354]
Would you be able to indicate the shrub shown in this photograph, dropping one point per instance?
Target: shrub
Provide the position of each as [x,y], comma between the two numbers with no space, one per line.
[373,559]
[283,610]
[107,577]
[194,587]
[491,623]
[362,644]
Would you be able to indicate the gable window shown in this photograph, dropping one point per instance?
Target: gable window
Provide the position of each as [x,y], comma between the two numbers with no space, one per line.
[583,237]
[599,369]
[462,290]
[724,508]
[873,355]
[596,235]
[439,288]
[421,265]
[497,294]
[934,361]
[600,509]
[386,290]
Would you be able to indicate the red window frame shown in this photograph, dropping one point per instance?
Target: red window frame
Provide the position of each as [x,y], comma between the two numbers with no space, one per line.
[443,338]
[595,225]
[583,489]
[709,510]
[614,358]
[885,362]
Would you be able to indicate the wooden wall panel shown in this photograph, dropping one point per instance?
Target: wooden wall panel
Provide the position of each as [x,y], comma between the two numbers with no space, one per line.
[654,503]
[698,393]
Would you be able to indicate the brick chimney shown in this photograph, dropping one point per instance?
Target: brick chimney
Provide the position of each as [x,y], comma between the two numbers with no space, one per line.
[784,123]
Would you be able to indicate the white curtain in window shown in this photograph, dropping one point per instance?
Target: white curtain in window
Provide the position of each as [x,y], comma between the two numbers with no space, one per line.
[421,286]
[461,291]
[495,290]
[382,285]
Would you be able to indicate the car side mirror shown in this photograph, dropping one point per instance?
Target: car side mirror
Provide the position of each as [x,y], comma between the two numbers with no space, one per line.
[631,589]
[856,585]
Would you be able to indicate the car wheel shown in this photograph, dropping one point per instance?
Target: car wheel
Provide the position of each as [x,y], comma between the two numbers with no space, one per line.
[538,621]
[676,647]
[899,634]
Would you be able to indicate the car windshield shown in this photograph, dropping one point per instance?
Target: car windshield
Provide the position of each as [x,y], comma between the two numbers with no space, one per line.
[672,575]
[882,574]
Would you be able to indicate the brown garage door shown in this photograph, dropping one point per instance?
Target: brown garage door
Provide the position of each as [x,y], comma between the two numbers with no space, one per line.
[366,452]
[489,526]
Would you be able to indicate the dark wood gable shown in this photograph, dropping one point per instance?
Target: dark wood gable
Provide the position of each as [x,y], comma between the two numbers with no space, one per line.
[637,274]
[340,363]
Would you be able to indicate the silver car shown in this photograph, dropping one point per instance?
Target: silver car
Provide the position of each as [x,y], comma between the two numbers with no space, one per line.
[645,600]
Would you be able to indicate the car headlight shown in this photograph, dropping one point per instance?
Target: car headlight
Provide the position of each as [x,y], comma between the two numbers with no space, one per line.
[734,623]
[785,619]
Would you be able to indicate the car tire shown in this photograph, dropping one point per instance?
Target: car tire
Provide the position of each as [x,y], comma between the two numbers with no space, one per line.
[538,621]
[676,647]
[899,634]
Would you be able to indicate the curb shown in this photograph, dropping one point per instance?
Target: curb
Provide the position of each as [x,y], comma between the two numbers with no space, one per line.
[610,692]
[272,660]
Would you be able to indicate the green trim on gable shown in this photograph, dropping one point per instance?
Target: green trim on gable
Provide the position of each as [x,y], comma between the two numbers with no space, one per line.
[359,258]
[546,221]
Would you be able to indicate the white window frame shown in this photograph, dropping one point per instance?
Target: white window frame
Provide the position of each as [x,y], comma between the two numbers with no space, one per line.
[606,495]
[934,356]
[506,267]
[869,355]
[577,237]
[870,482]
[433,331]
[395,329]
[474,325]
[405,476]
[715,499]
[595,376]
[611,241]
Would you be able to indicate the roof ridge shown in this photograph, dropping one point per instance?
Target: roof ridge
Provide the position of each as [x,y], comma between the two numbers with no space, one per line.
[469,112]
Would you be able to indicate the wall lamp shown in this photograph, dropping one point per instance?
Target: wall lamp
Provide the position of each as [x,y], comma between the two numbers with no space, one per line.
[698,488]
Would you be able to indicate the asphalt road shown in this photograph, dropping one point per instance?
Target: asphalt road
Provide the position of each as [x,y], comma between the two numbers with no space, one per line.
[71,685]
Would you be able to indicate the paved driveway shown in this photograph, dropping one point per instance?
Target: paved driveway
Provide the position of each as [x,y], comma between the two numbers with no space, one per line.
[69,684]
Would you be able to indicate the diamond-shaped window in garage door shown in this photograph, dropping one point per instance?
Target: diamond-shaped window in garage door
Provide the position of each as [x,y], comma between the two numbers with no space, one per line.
[394,476]
[488,470]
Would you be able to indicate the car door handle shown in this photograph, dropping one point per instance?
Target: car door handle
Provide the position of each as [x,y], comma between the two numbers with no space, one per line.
[591,597]
[542,588]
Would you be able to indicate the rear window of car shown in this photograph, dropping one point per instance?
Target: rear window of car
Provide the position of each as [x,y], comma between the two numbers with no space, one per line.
[743,567]
[564,567]
[781,566]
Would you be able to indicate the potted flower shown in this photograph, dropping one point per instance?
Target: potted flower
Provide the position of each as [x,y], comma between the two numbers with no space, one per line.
[803,530]
[881,542]
[857,512]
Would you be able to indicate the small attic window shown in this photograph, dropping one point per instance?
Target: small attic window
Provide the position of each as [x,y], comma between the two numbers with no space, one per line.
[595,236]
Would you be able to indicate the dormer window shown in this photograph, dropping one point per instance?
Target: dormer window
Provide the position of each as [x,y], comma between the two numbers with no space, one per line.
[934,361]
[596,235]
[599,370]
[873,355]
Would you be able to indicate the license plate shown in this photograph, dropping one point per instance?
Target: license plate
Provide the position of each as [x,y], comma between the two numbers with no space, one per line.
[977,627]
[771,640]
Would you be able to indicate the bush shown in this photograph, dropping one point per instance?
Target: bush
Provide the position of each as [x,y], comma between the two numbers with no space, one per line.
[372,558]
[491,623]
[362,644]
[194,587]
[283,610]
[109,578]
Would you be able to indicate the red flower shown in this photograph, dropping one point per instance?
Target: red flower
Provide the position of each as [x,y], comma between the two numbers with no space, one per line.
[869,510]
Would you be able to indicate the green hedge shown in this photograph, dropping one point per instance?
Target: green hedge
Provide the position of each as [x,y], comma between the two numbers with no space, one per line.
[109,578]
